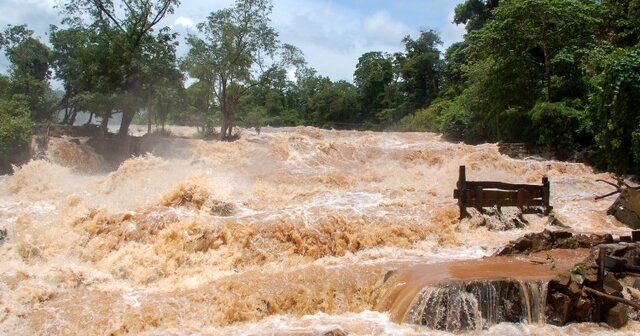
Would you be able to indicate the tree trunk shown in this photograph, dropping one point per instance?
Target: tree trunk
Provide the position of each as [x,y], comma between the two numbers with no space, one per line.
[547,72]
[127,117]
[90,118]
[104,123]
[148,121]
[72,118]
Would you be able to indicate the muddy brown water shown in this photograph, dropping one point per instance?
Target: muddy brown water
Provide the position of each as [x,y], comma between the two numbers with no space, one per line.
[286,232]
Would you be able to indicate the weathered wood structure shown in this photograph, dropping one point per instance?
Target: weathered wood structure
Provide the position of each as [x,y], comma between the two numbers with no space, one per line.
[482,194]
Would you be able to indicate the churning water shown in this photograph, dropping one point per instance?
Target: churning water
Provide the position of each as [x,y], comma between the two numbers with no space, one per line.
[288,232]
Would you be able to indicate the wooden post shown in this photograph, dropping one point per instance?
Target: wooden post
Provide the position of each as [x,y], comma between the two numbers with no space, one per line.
[597,312]
[462,192]
[478,198]
[602,251]
[546,195]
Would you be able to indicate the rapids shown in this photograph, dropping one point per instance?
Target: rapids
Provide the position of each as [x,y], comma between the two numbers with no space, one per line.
[288,232]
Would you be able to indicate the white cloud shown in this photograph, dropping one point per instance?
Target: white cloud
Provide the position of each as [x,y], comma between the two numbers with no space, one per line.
[185,22]
[333,37]
[382,27]
[452,32]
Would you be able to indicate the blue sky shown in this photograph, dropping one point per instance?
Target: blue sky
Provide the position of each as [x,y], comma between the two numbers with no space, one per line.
[331,33]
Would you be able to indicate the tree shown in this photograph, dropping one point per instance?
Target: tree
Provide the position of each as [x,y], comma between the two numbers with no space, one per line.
[374,72]
[239,50]
[129,24]
[29,70]
[614,110]
[421,67]
[474,13]
[15,128]
[552,33]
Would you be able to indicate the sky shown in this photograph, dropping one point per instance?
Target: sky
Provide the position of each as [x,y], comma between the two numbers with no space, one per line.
[332,34]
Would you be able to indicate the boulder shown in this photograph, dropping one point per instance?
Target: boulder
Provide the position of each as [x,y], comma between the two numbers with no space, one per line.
[611,285]
[582,311]
[547,240]
[617,316]
[335,332]
[558,309]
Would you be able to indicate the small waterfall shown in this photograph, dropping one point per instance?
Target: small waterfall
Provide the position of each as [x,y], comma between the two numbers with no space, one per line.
[479,304]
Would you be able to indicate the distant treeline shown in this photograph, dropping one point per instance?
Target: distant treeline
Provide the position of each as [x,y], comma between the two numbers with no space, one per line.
[563,74]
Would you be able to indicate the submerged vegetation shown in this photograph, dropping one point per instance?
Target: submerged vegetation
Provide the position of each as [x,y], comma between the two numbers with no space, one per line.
[563,74]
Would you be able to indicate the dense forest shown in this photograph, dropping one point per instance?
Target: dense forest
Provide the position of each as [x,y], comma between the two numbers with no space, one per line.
[562,74]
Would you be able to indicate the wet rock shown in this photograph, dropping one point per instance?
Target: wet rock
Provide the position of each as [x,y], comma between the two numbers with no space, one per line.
[591,275]
[626,208]
[558,309]
[222,209]
[636,283]
[582,311]
[335,332]
[388,275]
[554,221]
[611,285]
[563,280]
[574,290]
[617,316]
[547,240]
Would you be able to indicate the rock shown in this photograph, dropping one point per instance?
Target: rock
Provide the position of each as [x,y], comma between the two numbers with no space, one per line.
[591,275]
[557,235]
[626,208]
[563,279]
[617,316]
[554,221]
[574,290]
[582,311]
[636,283]
[3,236]
[611,285]
[546,240]
[388,275]
[560,311]
[335,332]
[522,244]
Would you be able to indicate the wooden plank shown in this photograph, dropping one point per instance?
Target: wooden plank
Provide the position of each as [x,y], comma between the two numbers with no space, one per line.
[496,194]
[481,194]
[502,185]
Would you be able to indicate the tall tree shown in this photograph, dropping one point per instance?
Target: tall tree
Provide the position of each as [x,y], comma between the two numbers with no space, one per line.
[374,72]
[238,50]
[421,68]
[129,23]
[29,69]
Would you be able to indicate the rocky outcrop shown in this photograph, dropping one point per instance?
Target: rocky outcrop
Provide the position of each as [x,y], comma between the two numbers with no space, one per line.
[626,208]
[547,240]
[578,296]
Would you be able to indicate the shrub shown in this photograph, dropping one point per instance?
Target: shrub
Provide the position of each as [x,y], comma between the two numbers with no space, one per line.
[425,119]
[614,111]
[558,126]
[15,127]
[458,124]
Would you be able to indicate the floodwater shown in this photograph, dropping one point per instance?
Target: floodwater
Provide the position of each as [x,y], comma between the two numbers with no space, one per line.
[290,232]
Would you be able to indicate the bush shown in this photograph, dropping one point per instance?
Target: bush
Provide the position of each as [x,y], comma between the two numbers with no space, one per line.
[558,126]
[15,127]
[426,119]
[458,124]
[614,111]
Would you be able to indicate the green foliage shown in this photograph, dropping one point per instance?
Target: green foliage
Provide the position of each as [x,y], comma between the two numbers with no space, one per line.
[427,119]
[15,128]
[558,125]
[614,109]
[374,73]
[458,124]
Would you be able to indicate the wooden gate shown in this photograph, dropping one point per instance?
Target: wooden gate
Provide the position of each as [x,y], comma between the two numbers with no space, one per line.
[529,198]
